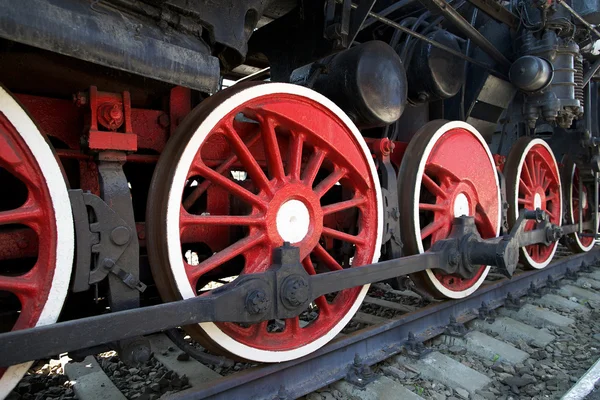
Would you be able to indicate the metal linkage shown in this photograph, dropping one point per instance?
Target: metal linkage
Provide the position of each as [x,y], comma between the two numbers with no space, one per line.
[465,27]
[434,43]
[283,291]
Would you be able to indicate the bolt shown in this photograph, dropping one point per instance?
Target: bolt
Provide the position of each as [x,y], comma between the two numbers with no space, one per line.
[108,263]
[385,146]
[80,99]
[453,258]
[295,291]
[120,235]
[115,112]
[164,121]
[257,302]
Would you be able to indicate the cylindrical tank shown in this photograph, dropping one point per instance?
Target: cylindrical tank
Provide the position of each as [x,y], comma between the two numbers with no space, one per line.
[530,73]
[435,74]
[367,81]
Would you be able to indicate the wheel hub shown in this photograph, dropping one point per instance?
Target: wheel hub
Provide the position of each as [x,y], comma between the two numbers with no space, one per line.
[461,205]
[293,221]
[537,201]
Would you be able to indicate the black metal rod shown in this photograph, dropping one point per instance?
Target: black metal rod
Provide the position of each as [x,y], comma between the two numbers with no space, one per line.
[591,72]
[465,27]
[387,11]
[579,17]
[329,282]
[434,43]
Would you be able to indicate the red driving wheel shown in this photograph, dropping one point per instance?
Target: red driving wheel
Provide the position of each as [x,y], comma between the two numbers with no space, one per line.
[533,181]
[36,230]
[572,197]
[252,167]
[447,171]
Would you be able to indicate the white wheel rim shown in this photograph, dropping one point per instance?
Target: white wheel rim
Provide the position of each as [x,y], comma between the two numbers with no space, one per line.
[515,200]
[435,138]
[64,224]
[174,207]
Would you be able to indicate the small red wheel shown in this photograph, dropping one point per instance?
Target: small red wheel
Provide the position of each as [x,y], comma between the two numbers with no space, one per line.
[251,167]
[572,197]
[36,230]
[533,181]
[447,171]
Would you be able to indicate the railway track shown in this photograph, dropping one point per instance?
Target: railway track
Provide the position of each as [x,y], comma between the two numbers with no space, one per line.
[393,347]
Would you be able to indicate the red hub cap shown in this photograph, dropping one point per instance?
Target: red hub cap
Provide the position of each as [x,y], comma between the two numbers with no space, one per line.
[278,166]
[533,182]
[453,174]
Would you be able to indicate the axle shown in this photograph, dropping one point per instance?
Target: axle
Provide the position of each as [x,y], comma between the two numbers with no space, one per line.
[283,291]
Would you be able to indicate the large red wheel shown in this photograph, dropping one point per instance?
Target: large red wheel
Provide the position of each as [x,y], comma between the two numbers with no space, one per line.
[251,167]
[447,171]
[36,230]
[572,197]
[532,182]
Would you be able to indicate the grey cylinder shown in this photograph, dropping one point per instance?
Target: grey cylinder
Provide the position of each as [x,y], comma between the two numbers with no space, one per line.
[530,73]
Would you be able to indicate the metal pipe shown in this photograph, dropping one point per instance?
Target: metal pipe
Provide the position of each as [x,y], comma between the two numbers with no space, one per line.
[434,43]
[579,17]
[387,11]
[465,27]
[254,76]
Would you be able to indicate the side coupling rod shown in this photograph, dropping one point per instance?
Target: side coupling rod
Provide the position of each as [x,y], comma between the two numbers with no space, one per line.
[284,291]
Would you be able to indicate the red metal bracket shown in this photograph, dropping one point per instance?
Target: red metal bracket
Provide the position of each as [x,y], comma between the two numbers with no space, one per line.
[109,121]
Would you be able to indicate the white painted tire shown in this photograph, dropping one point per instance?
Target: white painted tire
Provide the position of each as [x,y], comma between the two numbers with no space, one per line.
[57,188]
[441,128]
[180,169]
[515,205]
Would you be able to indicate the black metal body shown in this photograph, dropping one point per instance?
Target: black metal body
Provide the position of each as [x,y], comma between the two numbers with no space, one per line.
[102,35]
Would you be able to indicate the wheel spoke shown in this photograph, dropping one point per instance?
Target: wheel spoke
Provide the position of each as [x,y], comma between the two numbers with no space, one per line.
[187,219]
[523,187]
[432,228]
[551,214]
[313,166]
[524,202]
[21,215]
[194,272]
[538,171]
[527,173]
[531,167]
[327,259]
[229,185]
[247,159]
[343,205]
[345,237]
[272,152]
[433,187]
[292,325]
[259,328]
[552,196]
[221,169]
[295,156]
[327,183]
[431,207]
[19,285]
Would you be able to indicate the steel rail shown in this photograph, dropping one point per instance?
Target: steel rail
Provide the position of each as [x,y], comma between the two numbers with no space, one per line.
[374,344]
